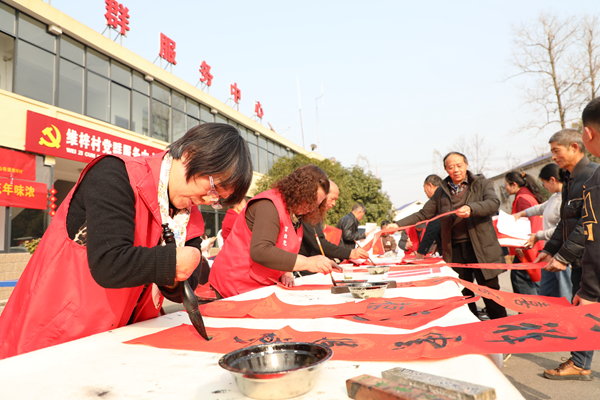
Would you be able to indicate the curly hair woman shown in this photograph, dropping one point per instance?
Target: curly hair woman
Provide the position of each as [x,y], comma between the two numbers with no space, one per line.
[264,242]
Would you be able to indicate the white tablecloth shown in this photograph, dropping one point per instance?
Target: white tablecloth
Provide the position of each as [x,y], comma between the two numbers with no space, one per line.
[101,365]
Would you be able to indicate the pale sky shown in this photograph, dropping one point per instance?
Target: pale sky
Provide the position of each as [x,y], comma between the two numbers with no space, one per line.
[401,78]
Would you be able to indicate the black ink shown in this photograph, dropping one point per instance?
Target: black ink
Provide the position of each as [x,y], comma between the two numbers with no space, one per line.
[341,342]
[437,340]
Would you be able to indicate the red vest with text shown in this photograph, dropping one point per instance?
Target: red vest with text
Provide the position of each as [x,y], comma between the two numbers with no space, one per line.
[57,300]
[537,224]
[233,271]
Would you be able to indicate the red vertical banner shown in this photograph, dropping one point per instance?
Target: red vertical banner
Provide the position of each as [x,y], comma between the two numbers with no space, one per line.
[16,164]
[24,194]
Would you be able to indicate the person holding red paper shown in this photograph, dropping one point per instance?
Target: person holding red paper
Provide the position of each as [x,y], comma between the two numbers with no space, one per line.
[555,284]
[587,292]
[468,237]
[265,239]
[527,194]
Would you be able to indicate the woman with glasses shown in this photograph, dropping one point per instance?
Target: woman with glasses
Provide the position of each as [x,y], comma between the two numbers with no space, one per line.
[262,248]
[102,263]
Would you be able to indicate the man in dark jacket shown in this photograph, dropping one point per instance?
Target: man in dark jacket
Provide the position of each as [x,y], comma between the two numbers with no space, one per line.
[566,246]
[469,236]
[349,226]
[310,247]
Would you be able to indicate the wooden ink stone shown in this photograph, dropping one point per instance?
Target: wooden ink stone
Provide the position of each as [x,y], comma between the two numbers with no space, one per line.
[452,388]
[368,387]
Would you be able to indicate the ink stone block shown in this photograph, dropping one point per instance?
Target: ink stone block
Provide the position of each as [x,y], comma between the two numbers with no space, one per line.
[368,387]
[452,388]
[342,288]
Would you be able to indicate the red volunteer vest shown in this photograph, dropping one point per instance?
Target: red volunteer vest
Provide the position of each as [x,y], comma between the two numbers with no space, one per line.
[57,300]
[233,271]
[536,225]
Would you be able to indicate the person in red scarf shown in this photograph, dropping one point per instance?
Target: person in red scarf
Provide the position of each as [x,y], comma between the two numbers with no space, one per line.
[527,194]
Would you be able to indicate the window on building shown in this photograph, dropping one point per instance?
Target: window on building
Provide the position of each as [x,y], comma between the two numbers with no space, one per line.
[139,113]
[120,73]
[96,96]
[206,115]
[119,105]
[34,77]
[7,19]
[220,119]
[243,132]
[35,33]
[253,150]
[178,101]
[140,84]
[72,50]
[70,86]
[26,224]
[178,124]
[193,109]
[161,93]
[97,62]
[161,117]
[192,122]
[7,51]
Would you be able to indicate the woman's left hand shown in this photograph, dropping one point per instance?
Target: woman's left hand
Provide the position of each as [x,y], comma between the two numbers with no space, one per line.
[531,241]
[288,279]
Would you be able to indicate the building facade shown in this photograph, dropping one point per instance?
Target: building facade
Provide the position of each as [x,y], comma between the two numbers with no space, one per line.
[69,94]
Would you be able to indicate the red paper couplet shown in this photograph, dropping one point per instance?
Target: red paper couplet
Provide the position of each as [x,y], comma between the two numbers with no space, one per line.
[566,329]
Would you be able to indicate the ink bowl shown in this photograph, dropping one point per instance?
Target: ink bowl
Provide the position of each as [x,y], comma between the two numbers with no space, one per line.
[276,370]
[378,269]
[367,290]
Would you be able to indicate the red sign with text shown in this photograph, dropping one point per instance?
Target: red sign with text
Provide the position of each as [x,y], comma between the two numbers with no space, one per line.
[55,137]
[25,194]
[117,16]
[16,164]
[167,49]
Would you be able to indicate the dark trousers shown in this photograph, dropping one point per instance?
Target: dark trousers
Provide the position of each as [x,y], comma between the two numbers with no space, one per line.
[582,359]
[463,253]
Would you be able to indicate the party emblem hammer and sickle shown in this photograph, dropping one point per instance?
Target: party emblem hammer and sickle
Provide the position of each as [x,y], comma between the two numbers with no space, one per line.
[54,140]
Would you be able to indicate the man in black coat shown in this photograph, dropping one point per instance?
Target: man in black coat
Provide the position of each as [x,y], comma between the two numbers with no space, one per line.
[566,246]
[469,236]
[434,228]
[349,226]
[310,247]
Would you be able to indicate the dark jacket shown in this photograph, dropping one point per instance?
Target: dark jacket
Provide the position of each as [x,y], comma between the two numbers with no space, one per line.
[590,278]
[568,238]
[349,226]
[484,203]
[430,237]
[310,247]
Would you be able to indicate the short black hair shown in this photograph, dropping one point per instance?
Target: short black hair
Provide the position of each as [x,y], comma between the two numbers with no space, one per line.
[434,179]
[384,223]
[359,206]
[591,113]
[457,154]
[551,171]
[216,149]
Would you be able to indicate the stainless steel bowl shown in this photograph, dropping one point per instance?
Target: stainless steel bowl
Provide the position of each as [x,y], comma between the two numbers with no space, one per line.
[378,269]
[278,370]
[367,290]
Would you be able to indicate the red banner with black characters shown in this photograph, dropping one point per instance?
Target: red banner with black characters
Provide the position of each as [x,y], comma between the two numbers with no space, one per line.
[55,137]
[556,329]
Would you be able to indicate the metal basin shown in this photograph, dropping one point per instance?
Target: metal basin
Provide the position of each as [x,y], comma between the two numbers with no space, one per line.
[367,290]
[278,370]
[378,269]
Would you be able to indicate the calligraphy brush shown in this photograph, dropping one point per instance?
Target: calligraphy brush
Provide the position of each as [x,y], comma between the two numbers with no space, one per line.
[322,252]
[367,256]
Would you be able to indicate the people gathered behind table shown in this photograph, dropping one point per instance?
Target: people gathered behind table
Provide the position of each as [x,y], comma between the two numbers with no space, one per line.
[430,239]
[349,226]
[527,194]
[230,218]
[263,246]
[310,247]
[566,246]
[468,236]
[555,284]
[101,263]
